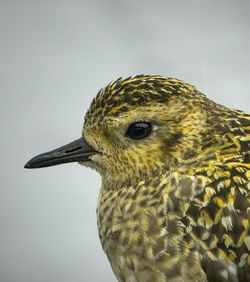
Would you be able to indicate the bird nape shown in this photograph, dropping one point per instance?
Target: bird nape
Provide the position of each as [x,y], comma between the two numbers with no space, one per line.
[174,203]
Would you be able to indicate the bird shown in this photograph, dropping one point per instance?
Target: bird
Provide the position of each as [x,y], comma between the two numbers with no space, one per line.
[174,203]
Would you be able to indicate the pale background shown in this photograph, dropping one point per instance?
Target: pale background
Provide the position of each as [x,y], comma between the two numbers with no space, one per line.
[54,57]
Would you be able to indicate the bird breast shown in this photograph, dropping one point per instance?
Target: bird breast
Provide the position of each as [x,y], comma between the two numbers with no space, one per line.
[142,239]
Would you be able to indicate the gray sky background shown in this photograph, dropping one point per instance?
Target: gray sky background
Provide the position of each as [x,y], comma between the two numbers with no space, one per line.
[54,57]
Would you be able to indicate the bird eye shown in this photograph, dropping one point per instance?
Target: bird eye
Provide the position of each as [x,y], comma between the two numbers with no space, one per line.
[139,130]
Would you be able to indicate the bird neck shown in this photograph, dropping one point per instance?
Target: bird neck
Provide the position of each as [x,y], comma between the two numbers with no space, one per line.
[224,141]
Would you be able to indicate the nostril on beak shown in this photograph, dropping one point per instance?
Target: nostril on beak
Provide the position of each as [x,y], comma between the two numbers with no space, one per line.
[73,150]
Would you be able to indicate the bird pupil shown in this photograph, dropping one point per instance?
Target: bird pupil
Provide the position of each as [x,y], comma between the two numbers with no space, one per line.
[139,130]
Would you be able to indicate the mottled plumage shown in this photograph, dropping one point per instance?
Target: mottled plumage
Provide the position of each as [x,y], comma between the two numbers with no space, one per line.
[173,206]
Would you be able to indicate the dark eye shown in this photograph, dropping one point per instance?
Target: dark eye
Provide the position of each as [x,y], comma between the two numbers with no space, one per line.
[139,130]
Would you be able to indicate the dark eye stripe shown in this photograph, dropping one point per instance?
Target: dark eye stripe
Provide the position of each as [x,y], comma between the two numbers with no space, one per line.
[139,130]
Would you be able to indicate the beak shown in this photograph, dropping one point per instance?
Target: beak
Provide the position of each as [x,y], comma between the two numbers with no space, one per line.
[76,151]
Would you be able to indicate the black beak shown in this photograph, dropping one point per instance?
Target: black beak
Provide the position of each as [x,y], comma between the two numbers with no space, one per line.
[75,151]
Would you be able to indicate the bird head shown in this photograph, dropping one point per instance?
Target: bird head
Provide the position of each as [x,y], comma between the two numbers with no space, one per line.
[135,127]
